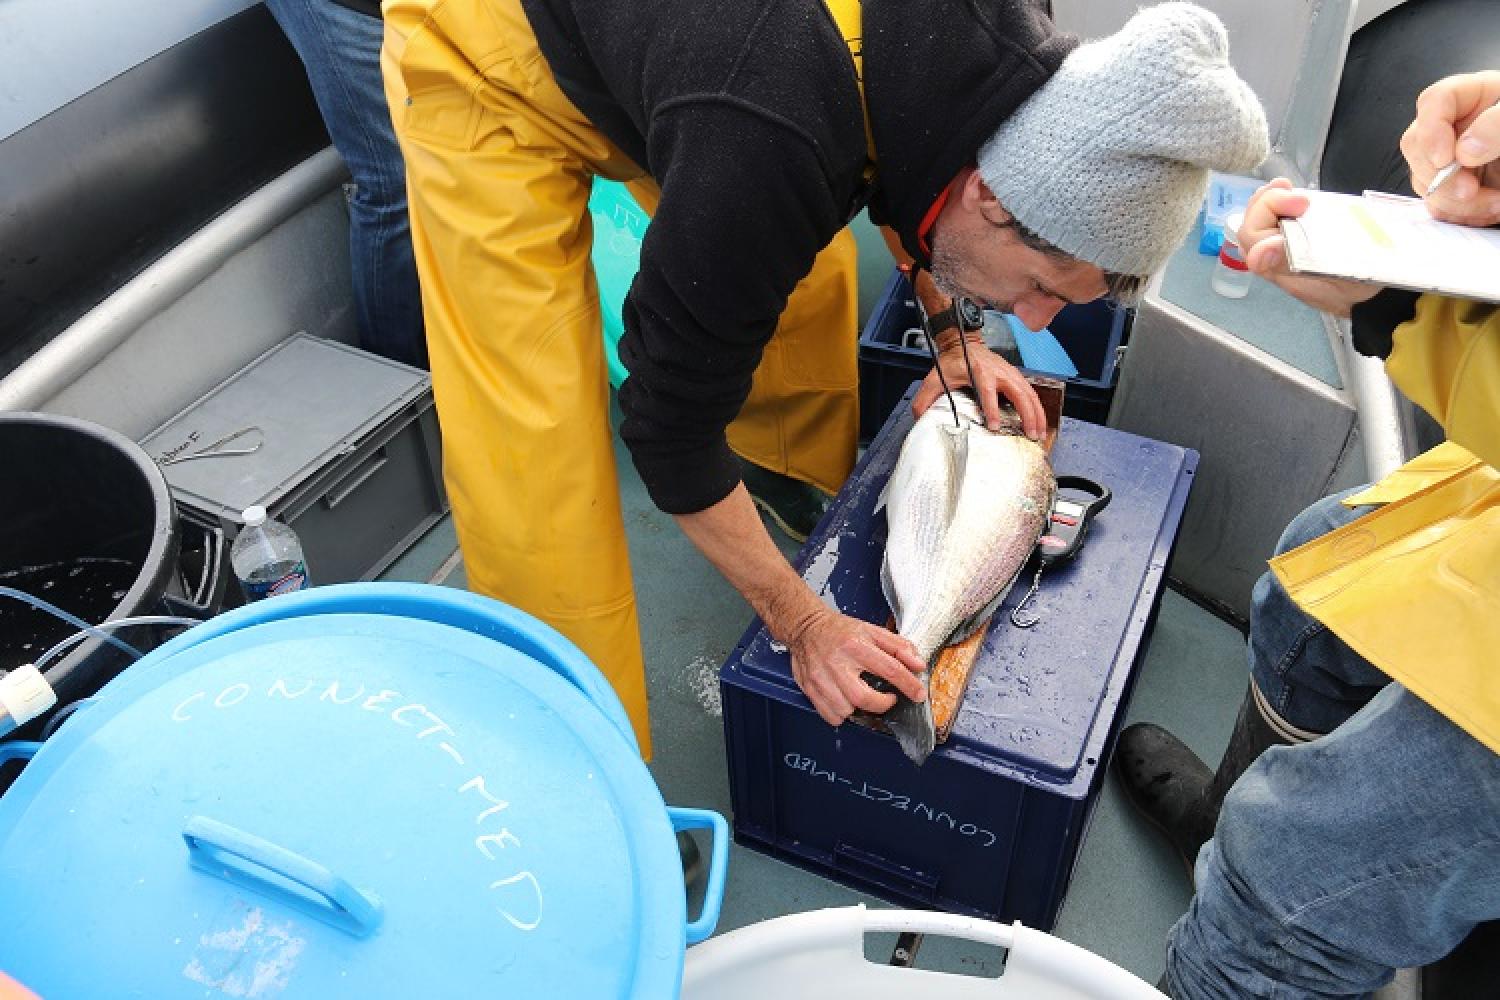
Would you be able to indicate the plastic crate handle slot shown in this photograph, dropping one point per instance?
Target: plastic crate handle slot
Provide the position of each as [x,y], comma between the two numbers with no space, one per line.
[718,866]
[243,859]
[356,478]
[204,598]
[903,879]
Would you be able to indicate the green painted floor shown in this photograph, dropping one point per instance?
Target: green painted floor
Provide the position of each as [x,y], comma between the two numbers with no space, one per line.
[1127,889]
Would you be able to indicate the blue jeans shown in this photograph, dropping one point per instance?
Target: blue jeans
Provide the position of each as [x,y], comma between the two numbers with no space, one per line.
[1336,862]
[340,49]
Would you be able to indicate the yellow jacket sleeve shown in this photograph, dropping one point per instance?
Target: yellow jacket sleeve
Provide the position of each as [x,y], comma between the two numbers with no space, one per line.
[1447,361]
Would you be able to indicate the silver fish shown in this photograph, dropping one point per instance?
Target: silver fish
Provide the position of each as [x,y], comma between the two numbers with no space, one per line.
[964,507]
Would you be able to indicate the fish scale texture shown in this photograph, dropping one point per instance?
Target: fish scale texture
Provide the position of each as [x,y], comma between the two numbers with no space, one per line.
[964,512]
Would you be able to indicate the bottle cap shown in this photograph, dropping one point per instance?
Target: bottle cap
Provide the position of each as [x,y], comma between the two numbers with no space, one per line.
[25,694]
[254,516]
[1232,224]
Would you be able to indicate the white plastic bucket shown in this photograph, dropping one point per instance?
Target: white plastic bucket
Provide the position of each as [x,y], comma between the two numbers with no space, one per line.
[821,956]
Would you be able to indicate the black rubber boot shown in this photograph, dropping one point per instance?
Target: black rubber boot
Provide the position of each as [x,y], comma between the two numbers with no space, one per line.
[693,864]
[1471,970]
[793,505]
[1176,790]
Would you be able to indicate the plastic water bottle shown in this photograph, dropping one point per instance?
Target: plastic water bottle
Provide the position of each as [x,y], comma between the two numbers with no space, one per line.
[267,557]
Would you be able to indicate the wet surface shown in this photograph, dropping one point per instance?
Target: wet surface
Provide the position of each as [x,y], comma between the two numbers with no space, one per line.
[1038,699]
[88,587]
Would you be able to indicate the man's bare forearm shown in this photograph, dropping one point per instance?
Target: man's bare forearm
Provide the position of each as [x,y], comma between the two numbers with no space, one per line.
[731,536]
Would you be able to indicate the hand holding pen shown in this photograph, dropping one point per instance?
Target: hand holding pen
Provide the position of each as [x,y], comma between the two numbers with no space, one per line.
[1453,148]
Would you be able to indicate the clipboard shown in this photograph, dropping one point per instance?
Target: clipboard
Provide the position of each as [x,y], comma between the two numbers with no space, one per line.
[1389,240]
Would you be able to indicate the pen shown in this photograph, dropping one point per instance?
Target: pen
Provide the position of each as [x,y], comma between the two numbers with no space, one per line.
[1448,171]
[1442,175]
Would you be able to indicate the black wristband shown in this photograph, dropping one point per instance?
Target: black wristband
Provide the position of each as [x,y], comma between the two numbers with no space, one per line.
[963,314]
[1376,319]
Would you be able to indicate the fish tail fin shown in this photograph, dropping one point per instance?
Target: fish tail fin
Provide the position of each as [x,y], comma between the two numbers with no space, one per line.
[912,724]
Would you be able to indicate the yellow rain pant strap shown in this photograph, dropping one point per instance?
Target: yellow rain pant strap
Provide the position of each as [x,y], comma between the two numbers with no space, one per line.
[499,167]
[1414,588]
[849,15]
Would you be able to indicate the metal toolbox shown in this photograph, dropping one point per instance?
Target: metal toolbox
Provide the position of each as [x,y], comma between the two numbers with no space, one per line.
[339,443]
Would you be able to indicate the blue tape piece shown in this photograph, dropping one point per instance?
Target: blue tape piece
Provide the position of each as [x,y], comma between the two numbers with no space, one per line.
[1040,351]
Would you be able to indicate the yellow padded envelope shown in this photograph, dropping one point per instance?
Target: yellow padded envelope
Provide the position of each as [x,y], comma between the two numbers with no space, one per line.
[1414,587]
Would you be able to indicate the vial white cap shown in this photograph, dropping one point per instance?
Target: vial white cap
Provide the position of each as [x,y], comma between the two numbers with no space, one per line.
[1232,224]
[254,516]
[25,694]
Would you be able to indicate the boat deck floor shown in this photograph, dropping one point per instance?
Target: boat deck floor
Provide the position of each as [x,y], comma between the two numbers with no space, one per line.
[1127,889]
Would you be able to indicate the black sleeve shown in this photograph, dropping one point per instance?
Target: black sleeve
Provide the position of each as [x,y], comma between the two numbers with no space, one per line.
[745,208]
[1375,320]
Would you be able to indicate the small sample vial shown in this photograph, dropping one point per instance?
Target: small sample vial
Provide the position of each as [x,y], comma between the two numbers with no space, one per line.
[1232,276]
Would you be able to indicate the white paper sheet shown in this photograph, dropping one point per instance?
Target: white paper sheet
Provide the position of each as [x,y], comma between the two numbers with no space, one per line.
[1388,240]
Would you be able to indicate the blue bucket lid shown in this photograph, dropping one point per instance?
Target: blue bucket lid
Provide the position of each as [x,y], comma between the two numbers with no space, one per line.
[356,791]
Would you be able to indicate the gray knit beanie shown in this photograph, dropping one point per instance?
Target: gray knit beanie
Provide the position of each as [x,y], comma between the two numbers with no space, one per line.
[1109,160]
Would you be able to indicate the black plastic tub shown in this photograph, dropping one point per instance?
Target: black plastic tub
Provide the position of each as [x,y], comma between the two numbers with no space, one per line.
[86,523]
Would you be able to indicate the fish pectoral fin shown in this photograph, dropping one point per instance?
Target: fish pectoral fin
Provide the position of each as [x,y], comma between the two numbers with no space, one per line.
[980,618]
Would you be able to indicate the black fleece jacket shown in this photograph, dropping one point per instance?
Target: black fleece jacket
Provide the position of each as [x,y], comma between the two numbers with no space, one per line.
[748,115]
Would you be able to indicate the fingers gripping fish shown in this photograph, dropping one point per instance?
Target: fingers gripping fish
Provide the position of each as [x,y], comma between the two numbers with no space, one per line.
[964,509]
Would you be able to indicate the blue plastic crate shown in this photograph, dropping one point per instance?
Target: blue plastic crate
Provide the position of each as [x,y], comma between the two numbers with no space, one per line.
[1091,334]
[991,824]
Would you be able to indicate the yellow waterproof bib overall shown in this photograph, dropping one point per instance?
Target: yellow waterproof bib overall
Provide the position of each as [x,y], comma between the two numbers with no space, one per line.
[499,168]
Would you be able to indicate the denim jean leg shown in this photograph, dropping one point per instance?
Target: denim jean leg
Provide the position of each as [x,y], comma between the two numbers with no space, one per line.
[1339,861]
[340,49]
[1307,674]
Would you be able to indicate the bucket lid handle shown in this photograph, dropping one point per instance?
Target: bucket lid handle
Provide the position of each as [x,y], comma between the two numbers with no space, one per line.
[246,860]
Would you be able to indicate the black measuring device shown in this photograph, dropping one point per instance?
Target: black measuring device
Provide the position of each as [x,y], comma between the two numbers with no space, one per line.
[1067,527]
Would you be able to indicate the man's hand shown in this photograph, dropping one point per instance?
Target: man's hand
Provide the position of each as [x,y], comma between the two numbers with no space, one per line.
[1265,251]
[831,652]
[997,378]
[1457,120]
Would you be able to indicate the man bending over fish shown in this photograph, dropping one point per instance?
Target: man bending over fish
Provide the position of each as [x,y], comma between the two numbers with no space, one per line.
[1024,171]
